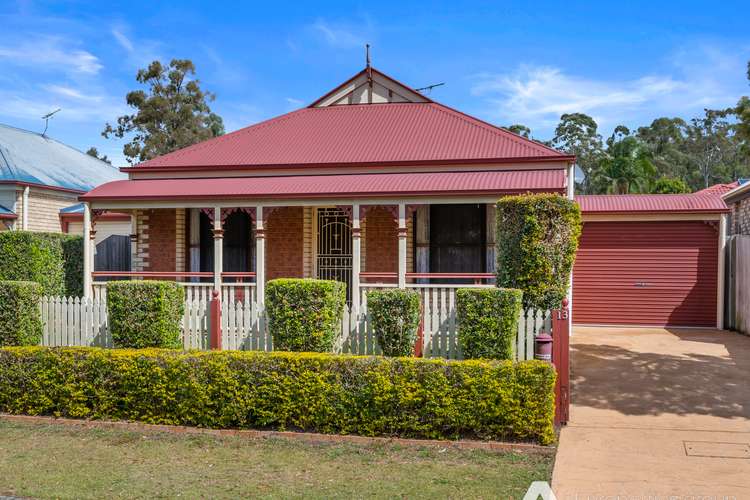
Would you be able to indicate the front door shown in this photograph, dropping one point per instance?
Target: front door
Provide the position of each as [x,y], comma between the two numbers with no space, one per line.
[334,252]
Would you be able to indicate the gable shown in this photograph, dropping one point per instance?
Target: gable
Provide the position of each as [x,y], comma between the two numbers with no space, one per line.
[369,87]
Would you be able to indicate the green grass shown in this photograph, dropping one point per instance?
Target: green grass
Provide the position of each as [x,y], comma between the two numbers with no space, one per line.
[57,461]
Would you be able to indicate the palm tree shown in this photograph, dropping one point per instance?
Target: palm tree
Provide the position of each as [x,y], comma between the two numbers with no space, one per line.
[627,168]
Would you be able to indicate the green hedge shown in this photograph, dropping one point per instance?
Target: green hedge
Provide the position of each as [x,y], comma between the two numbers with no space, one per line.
[395,319]
[72,248]
[537,239]
[487,321]
[407,397]
[304,314]
[20,320]
[145,313]
[54,260]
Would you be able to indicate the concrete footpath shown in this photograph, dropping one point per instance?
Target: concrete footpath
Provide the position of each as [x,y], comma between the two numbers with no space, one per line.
[656,413]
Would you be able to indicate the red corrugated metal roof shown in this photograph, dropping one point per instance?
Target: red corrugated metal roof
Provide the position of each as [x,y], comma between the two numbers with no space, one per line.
[651,203]
[719,189]
[318,186]
[366,134]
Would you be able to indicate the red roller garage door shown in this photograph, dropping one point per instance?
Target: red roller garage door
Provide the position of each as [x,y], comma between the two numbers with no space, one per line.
[646,273]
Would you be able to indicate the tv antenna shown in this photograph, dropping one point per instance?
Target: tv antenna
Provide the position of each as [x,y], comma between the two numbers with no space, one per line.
[46,120]
[429,88]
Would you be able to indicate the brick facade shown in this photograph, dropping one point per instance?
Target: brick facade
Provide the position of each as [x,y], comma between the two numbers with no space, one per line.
[380,241]
[285,243]
[740,217]
[161,233]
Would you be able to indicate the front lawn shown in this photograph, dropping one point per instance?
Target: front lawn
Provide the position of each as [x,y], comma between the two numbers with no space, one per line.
[57,461]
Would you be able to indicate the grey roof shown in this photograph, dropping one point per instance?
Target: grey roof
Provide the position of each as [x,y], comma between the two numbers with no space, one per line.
[31,157]
[6,211]
[73,209]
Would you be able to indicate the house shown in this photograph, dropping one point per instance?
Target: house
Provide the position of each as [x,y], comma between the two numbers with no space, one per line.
[376,184]
[373,182]
[41,180]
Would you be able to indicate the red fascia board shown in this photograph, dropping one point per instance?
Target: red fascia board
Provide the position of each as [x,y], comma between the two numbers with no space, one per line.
[384,194]
[431,163]
[8,216]
[43,186]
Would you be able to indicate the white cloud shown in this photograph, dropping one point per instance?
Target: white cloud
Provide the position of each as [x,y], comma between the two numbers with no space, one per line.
[343,35]
[51,53]
[293,101]
[68,92]
[537,95]
[123,40]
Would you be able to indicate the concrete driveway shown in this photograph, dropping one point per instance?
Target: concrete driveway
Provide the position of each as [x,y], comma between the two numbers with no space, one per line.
[656,413]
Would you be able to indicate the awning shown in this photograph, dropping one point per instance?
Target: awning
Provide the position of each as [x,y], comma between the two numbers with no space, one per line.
[383,185]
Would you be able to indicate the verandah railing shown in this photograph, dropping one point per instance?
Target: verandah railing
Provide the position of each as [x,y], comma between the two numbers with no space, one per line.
[75,321]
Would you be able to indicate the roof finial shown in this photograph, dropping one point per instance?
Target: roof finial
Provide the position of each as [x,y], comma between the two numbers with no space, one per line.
[367,55]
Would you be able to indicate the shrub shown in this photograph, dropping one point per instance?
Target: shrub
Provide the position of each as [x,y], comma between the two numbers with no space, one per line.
[20,320]
[304,314]
[54,260]
[395,319]
[407,397]
[34,257]
[537,239]
[487,321]
[145,313]
[72,249]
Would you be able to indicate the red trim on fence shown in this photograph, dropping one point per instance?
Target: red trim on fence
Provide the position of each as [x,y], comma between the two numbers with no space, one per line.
[149,274]
[215,325]
[561,360]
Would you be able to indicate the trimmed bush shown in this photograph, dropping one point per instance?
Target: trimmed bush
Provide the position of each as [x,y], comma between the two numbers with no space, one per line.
[145,313]
[487,321]
[20,320]
[304,314]
[395,319]
[371,396]
[537,239]
[72,249]
[54,260]
[38,257]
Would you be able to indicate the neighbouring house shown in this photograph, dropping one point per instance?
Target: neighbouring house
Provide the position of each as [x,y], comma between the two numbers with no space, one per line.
[376,184]
[737,314]
[40,182]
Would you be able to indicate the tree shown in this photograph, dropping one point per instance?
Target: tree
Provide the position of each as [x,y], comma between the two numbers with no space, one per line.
[627,167]
[577,134]
[742,112]
[713,148]
[519,129]
[665,140]
[92,151]
[669,185]
[172,113]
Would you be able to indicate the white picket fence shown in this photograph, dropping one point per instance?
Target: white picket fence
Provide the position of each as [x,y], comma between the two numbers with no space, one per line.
[83,322]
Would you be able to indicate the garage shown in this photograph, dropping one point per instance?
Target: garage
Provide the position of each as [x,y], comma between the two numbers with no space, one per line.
[648,260]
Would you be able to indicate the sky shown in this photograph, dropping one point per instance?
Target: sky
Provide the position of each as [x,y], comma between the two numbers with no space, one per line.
[505,62]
